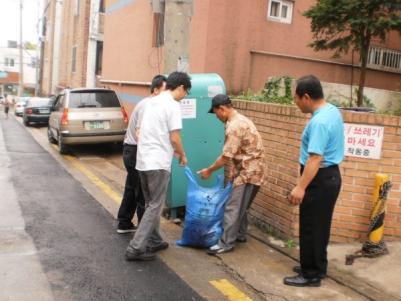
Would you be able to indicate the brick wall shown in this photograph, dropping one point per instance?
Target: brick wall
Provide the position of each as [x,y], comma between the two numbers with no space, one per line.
[281,128]
[47,65]
[74,32]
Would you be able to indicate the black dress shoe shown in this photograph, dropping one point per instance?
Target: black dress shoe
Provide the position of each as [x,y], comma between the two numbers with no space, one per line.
[297,269]
[300,281]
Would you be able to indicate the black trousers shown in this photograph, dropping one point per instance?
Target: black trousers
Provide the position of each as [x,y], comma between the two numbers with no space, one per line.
[316,212]
[133,199]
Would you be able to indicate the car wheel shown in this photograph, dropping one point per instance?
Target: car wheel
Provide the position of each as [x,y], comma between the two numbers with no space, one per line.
[50,136]
[26,122]
[62,148]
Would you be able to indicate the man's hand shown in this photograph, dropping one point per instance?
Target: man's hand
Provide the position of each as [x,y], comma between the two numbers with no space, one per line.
[175,139]
[311,169]
[296,196]
[204,173]
[183,160]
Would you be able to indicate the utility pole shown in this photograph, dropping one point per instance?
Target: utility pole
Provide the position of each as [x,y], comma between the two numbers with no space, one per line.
[177,21]
[21,55]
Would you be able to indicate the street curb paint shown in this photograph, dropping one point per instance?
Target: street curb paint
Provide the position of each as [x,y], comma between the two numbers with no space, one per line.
[229,290]
[116,197]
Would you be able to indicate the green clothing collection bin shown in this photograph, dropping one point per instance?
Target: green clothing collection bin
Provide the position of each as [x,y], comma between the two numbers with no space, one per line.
[202,136]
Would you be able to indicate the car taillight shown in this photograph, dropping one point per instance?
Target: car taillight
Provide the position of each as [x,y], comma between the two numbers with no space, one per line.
[64,118]
[125,116]
[29,111]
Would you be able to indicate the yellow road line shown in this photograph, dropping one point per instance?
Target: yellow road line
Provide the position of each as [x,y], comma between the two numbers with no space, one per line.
[116,197]
[229,290]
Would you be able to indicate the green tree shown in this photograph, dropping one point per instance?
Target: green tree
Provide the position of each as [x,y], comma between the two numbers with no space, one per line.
[29,46]
[343,24]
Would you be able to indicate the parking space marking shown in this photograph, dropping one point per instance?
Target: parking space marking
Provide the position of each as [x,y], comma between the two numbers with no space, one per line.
[116,197]
[229,290]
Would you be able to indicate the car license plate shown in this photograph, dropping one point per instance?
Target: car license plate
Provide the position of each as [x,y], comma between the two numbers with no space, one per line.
[95,125]
[44,111]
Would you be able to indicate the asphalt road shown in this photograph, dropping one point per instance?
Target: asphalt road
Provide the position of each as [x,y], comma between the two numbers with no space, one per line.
[79,250]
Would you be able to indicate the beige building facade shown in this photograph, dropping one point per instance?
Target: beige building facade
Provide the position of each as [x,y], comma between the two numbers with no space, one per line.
[245,42]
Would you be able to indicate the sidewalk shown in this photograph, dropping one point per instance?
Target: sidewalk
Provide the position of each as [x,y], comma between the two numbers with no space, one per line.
[381,274]
[373,278]
[259,266]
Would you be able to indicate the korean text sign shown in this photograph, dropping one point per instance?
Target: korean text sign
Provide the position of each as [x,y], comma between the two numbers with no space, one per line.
[363,141]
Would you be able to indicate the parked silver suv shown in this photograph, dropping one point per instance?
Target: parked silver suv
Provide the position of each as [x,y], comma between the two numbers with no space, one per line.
[84,116]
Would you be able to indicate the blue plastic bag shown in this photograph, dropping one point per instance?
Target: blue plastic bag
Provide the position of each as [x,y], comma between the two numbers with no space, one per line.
[204,212]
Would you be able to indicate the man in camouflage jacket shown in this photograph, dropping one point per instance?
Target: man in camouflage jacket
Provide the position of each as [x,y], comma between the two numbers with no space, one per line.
[243,155]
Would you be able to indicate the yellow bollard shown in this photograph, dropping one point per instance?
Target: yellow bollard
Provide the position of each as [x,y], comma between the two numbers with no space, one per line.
[375,245]
[378,208]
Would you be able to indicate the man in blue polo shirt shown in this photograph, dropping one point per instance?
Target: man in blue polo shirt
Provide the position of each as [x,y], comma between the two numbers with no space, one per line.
[322,149]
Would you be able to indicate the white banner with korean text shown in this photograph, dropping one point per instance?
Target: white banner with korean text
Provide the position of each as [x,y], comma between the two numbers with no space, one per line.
[363,141]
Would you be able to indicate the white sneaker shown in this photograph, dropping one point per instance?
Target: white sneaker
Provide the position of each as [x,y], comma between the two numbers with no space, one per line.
[216,249]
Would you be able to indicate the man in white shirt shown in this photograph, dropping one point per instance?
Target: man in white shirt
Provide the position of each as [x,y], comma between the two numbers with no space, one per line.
[133,199]
[159,139]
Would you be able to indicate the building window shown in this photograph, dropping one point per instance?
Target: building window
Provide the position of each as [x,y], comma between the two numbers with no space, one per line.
[158,30]
[384,59]
[280,11]
[99,58]
[74,59]
[101,6]
[77,3]
[8,62]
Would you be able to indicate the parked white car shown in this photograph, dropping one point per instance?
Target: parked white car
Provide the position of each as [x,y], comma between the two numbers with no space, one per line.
[20,105]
